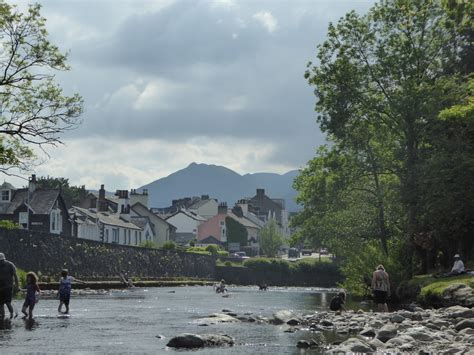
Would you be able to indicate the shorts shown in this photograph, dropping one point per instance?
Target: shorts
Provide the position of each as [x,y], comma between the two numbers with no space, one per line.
[65,297]
[380,297]
[6,294]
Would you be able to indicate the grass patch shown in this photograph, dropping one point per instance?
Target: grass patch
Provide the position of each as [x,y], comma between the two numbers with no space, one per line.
[431,289]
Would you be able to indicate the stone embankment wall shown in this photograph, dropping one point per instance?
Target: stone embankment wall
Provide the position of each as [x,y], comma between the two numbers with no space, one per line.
[49,253]
[327,277]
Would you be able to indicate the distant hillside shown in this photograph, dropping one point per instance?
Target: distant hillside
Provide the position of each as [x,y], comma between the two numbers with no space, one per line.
[221,183]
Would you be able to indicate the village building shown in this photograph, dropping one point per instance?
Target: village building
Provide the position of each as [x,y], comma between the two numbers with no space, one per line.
[34,208]
[186,223]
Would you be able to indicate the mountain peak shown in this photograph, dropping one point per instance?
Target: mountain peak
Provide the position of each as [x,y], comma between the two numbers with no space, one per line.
[218,182]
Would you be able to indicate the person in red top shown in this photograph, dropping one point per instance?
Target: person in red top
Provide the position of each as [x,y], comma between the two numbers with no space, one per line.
[32,292]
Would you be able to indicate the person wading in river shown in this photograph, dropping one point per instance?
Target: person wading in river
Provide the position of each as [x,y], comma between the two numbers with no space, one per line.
[381,288]
[8,285]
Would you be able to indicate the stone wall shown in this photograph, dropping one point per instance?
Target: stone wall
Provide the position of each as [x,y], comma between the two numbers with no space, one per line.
[327,277]
[49,253]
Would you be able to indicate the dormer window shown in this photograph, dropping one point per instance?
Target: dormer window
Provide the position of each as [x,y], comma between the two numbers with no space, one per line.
[5,197]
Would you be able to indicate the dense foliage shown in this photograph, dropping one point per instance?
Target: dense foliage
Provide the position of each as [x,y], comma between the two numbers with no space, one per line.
[34,112]
[72,195]
[270,239]
[236,232]
[394,97]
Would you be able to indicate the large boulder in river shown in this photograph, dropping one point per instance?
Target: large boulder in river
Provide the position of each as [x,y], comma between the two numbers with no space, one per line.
[187,341]
[288,317]
[193,341]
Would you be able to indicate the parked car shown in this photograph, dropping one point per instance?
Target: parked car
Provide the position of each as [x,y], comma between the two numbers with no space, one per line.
[239,255]
[307,252]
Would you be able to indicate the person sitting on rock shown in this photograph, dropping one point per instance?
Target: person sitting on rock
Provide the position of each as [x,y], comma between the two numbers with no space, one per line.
[337,302]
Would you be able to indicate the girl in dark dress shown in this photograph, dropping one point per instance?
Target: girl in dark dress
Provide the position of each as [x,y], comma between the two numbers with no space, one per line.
[32,292]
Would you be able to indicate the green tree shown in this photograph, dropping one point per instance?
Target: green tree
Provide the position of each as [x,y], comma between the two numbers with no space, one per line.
[270,238]
[387,72]
[236,232]
[8,224]
[33,109]
[72,195]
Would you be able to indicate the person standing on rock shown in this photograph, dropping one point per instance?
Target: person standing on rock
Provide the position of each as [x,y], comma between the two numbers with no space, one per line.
[8,284]
[381,288]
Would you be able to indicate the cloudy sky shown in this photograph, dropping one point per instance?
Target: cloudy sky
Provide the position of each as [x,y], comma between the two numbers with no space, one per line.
[167,83]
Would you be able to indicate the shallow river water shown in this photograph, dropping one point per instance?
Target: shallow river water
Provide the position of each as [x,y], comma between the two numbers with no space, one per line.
[129,321]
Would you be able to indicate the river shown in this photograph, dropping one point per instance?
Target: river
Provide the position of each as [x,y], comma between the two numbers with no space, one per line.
[131,320]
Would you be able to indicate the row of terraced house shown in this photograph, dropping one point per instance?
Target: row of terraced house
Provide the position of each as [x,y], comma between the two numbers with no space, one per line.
[125,217]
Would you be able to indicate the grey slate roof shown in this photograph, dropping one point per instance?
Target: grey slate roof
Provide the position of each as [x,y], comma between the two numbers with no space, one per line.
[184,238]
[41,201]
[7,186]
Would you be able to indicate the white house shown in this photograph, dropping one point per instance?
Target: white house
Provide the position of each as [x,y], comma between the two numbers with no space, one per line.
[186,223]
[205,207]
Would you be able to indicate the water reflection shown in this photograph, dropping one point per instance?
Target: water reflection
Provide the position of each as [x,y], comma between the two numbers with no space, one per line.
[30,324]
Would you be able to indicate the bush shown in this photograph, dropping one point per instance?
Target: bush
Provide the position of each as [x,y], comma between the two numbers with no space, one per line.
[228,263]
[169,245]
[213,249]
[21,277]
[9,224]
[148,244]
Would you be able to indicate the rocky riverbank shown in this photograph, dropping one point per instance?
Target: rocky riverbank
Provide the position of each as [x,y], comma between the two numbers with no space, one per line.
[445,330]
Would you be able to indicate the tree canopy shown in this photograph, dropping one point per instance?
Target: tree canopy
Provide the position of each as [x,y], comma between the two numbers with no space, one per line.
[270,238]
[392,96]
[34,112]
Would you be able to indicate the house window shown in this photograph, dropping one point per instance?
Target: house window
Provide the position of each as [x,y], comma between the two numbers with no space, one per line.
[129,236]
[136,239]
[106,235]
[23,220]
[5,195]
[55,221]
[115,235]
[139,237]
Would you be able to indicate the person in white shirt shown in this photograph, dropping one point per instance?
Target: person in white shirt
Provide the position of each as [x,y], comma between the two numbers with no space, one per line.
[458,267]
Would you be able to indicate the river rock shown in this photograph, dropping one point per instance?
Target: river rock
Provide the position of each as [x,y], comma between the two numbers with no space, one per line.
[218,318]
[303,344]
[217,340]
[386,332]
[397,318]
[367,332]
[355,345]
[188,341]
[459,294]
[466,323]
[282,317]
[420,334]
[400,340]
[460,312]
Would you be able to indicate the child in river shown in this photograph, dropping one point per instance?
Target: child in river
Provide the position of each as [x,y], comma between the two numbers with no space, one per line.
[32,292]
[337,302]
[64,294]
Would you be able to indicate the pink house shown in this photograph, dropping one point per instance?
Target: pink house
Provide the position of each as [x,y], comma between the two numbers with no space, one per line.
[214,227]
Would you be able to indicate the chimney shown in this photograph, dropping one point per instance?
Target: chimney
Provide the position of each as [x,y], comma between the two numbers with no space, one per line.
[237,210]
[32,184]
[260,193]
[136,196]
[244,206]
[222,208]
[101,202]
[123,203]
